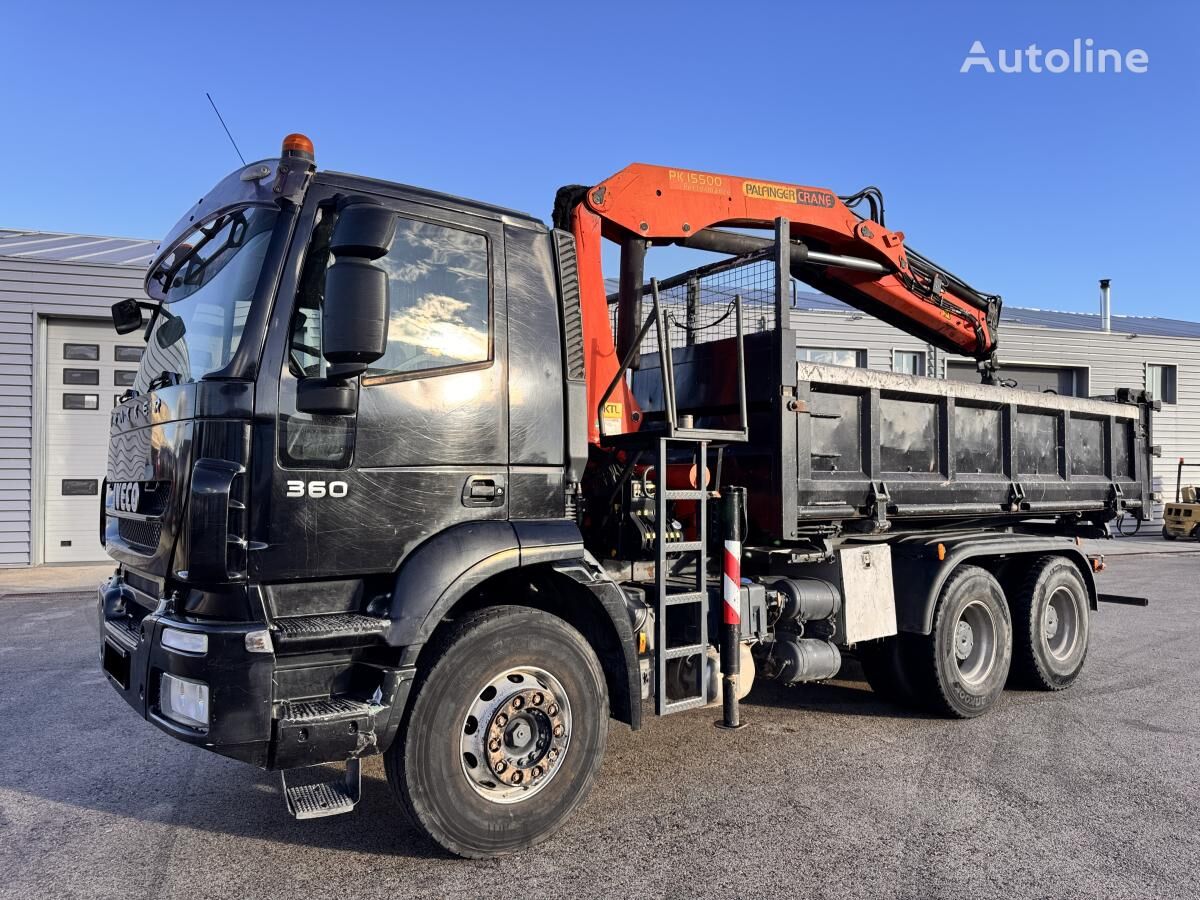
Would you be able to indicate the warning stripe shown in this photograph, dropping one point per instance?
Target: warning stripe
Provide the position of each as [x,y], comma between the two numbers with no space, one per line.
[731,582]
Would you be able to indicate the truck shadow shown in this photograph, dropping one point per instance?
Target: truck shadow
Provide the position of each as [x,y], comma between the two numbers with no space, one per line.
[847,695]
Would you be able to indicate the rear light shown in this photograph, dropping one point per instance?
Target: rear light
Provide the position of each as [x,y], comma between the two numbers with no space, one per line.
[184,701]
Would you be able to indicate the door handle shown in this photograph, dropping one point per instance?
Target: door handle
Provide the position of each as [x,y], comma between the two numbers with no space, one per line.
[483,490]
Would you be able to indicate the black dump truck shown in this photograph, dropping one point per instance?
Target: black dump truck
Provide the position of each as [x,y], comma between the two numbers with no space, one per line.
[388,484]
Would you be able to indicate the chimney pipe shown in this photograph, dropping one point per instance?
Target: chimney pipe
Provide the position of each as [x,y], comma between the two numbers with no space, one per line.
[1105,305]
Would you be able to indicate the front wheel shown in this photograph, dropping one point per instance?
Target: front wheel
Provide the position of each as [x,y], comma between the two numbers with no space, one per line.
[961,666]
[505,735]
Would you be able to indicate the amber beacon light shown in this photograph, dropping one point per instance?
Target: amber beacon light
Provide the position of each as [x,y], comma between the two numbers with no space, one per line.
[298,145]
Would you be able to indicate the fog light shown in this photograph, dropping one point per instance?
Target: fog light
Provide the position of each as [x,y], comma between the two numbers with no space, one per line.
[185,641]
[259,642]
[183,700]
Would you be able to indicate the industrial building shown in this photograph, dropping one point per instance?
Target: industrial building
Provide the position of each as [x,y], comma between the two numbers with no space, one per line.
[62,368]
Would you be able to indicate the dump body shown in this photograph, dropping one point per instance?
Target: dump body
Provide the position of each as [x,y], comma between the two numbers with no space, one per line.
[876,451]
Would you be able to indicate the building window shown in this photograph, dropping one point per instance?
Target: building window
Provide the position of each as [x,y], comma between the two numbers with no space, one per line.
[832,356]
[81,401]
[81,351]
[908,362]
[1161,382]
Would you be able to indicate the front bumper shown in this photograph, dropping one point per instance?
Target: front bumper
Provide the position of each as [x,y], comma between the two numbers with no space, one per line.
[250,716]
[240,683]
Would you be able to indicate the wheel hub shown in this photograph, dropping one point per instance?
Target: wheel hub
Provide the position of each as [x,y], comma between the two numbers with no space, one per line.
[964,639]
[1061,625]
[975,642]
[516,734]
[1051,624]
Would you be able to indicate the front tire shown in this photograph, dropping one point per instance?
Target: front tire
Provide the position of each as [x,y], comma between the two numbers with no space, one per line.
[1051,615]
[505,735]
[962,665]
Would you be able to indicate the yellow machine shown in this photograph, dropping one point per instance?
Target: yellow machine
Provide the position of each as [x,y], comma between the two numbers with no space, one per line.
[1182,518]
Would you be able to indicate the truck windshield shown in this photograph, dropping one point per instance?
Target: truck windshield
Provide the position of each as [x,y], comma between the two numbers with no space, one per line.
[210,282]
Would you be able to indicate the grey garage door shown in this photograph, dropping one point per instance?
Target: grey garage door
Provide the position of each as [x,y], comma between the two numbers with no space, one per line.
[88,366]
[1066,380]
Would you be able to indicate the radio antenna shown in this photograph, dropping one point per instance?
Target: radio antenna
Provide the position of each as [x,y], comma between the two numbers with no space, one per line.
[221,119]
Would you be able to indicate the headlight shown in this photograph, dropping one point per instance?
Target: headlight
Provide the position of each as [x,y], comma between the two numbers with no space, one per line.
[185,641]
[183,700]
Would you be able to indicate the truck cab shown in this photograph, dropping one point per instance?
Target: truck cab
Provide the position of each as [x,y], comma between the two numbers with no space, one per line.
[261,500]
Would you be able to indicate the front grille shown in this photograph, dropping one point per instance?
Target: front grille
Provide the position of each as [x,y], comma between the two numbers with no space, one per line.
[154,496]
[140,534]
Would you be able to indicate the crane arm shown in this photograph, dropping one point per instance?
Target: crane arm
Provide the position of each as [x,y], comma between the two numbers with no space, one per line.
[854,258]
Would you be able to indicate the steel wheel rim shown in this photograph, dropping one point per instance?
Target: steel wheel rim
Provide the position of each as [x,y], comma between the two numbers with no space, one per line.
[1060,623]
[975,642]
[515,734]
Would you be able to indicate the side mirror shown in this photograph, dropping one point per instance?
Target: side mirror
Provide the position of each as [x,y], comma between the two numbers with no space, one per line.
[364,230]
[354,322]
[170,331]
[127,316]
[327,396]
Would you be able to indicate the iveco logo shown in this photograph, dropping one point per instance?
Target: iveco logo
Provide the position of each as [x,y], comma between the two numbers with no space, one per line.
[125,495]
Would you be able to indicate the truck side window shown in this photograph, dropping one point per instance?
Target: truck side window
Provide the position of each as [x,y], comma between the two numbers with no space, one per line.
[439,298]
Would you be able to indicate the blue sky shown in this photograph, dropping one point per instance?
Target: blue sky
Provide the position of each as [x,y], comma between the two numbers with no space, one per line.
[1031,186]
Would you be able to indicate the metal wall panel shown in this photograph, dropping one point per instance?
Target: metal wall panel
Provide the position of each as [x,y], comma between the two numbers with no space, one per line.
[32,288]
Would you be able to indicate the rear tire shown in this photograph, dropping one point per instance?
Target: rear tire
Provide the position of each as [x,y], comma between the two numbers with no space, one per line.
[886,667]
[528,689]
[1167,536]
[960,667]
[1051,619]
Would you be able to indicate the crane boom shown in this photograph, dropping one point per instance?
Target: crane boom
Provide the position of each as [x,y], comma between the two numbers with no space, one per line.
[851,257]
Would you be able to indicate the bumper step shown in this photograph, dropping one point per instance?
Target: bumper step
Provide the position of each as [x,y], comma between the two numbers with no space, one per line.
[334,709]
[325,798]
[339,630]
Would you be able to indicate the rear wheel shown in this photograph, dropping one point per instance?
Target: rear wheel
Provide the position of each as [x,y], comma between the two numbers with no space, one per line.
[505,735]
[1051,617]
[961,666]
[1167,534]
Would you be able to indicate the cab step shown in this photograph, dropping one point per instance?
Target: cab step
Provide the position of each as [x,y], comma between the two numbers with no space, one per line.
[323,632]
[311,732]
[333,709]
[324,798]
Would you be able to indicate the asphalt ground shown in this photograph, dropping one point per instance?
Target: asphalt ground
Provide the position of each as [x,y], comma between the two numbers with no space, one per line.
[1093,792]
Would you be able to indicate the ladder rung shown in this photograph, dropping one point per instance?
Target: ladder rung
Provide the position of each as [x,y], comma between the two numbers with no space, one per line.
[689,650]
[684,597]
[682,546]
[685,495]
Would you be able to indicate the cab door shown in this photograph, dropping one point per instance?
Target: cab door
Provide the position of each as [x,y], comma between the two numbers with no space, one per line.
[428,447]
